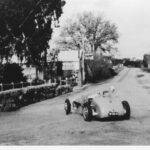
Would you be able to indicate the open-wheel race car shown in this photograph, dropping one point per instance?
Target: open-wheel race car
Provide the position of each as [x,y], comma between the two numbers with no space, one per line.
[100,105]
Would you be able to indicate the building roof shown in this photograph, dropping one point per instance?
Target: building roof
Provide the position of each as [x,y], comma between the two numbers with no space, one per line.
[70,55]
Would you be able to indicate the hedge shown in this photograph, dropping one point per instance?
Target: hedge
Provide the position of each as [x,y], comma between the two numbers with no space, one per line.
[17,98]
[62,89]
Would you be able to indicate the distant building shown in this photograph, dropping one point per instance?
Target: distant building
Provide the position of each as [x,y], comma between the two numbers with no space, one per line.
[70,61]
[30,73]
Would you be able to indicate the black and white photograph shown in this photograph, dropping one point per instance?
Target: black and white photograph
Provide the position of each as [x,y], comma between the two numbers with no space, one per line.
[74,73]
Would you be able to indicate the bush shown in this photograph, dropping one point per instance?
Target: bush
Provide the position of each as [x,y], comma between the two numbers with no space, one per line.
[12,73]
[17,98]
[133,63]
[37,81]
[62,89]
[14,99]
[10,100]
[98,69]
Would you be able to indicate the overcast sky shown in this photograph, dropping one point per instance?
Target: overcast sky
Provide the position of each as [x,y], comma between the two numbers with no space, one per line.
[131,16]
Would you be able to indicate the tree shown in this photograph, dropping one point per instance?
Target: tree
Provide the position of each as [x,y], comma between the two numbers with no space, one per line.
[89,31]
[26,28]
[146,60]
[97,69]
[59,68]
[51,71]
[53,55]
[12,73]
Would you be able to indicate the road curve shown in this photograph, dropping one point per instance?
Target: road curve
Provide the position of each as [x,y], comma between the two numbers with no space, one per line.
[45,123]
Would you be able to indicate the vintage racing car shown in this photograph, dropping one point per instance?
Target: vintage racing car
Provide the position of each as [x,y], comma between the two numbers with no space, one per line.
[100,105]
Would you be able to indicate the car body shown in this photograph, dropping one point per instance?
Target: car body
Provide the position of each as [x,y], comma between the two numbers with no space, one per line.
[100,105]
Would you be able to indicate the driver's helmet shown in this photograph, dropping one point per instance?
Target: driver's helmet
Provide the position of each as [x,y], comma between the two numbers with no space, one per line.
[111,89]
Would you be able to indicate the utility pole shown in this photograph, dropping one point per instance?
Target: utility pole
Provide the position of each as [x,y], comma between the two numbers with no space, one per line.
[81,63]
[81,66]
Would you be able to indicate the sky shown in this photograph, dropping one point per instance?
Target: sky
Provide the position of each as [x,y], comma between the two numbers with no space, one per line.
[132,18]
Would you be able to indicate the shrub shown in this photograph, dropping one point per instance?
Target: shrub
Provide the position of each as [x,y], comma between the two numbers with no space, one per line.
[98,69]
[12,73]
[38,93]
[37,81]
[62,89]
[10,100]
[17,98]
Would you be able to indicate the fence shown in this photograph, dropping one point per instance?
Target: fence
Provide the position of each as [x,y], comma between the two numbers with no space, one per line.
[14,99]
[4,87]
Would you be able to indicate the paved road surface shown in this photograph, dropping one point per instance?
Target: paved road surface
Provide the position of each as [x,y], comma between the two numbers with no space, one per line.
[45,123]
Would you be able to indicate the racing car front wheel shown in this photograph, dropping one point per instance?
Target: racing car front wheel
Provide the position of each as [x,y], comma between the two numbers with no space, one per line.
[87,112]
[67,106]
[126,106]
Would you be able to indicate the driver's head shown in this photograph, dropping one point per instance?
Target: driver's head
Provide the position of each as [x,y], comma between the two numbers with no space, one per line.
[111,89]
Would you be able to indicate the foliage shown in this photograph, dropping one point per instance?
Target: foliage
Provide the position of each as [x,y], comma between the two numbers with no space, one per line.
[132,63]
[1,73]
[10,100]
[54,67]
[14,99]
[59,68]
[63,89]
[89,32]
[98,69]
[12,73]
[53,55]
[146,60]
[50,71]
[26,28]
[37,81]
[53,70]
[17,98]
[117,61]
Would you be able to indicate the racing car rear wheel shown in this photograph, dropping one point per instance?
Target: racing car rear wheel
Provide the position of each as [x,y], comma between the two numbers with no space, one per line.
[87,112]
[126,106]
[67,106]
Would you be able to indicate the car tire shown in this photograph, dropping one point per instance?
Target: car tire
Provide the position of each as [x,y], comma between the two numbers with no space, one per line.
[126,106]
[87,112]
[67,106]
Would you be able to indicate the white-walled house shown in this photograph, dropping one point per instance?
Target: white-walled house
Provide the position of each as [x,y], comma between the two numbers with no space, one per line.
[70,60]
[30,73]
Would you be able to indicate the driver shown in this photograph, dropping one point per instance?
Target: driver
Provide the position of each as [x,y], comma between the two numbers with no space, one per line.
[109,92]
[111,89]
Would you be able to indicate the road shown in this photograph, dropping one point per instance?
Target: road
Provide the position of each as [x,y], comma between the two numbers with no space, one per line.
[45,123]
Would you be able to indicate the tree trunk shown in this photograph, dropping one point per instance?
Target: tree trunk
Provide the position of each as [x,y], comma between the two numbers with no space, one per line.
[36,70]
[45,58]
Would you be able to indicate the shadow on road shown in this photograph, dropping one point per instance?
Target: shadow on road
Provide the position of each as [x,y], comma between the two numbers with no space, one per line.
[114,119]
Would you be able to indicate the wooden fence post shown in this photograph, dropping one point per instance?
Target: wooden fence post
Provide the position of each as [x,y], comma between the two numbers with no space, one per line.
[21,84]
[66,80]
[50,81]
[12,85]
[1,87]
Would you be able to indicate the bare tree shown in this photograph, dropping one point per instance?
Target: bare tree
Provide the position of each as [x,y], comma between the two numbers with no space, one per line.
[89,30]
